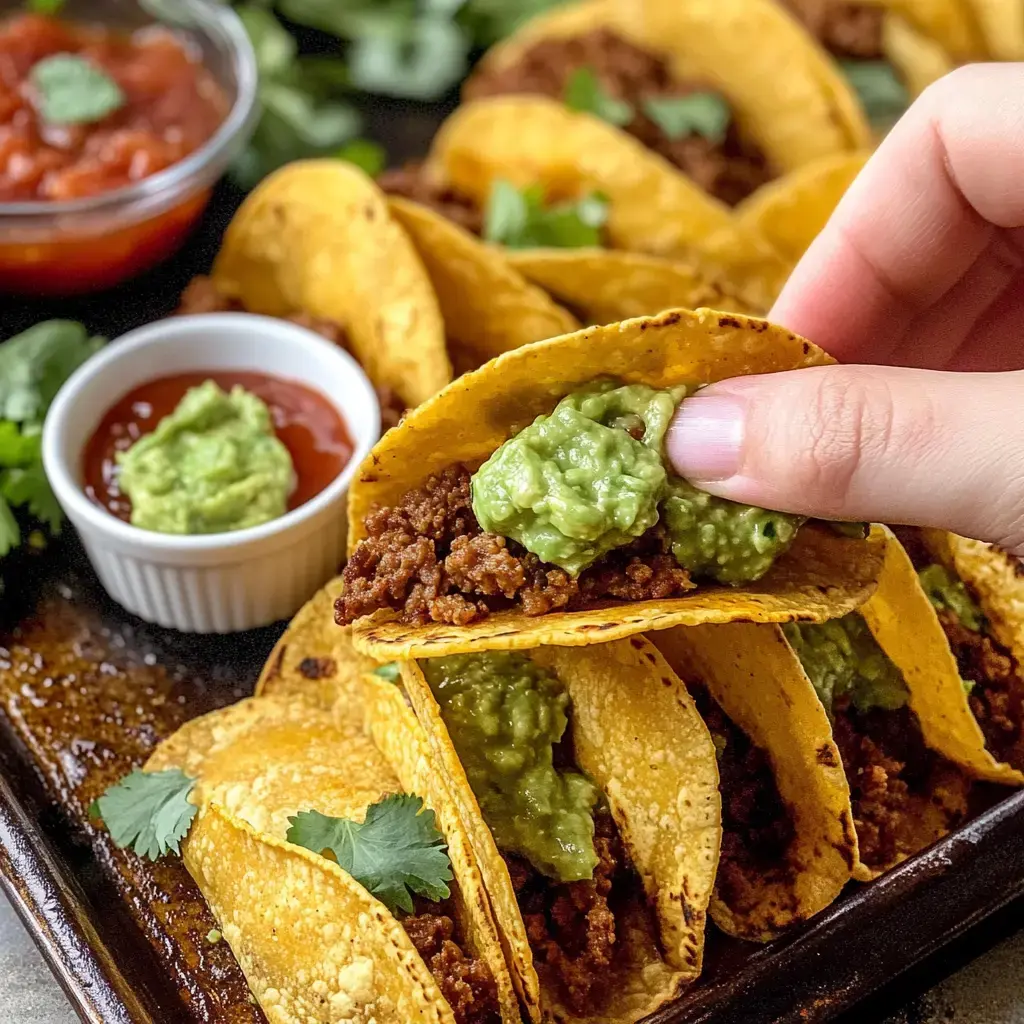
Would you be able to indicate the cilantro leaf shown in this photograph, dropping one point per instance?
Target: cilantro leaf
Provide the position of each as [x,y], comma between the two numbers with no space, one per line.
[275,47]
[18,449]
[698,113]
[489,21]
[72,90]
[10,532]
[35,363]
[389,671]
[46,6]
[584,92]
[395,852]
[882,94]
[368,156]
[148,811]
[519,219]
[29,488]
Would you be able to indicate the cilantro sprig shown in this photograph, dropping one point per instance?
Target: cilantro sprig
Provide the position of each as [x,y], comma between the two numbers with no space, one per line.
[397,851]
[69,89]
[584,92]
[389,671]
[148,812]
[33,366]
[697,113]
[881,92]
[519,219]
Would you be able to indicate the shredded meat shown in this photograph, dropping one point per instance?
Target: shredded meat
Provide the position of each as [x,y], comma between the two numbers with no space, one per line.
[847,30]
[465,982]
[730,169]
[411,182]
[203,296]
[570,925]
[757,828]
[428,558]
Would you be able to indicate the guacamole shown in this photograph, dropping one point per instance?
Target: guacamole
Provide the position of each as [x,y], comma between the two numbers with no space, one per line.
[504,714]
[211,466]
[949,593]
[590,477]
[842,658]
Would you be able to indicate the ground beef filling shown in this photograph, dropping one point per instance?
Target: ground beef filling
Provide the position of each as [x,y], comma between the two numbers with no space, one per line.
[849,31]
[466,983]
[428,559]
[997,699]
[757,828]
[411,182]
[889,769]
[203,296]
[571,925]
[730,169]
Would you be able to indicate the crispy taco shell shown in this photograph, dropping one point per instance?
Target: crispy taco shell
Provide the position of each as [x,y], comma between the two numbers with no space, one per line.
[653,207]
[604,286]
[793,209]
[951,23]
[665,804]
[919,58]
[261,761]
[317,236]
[755,678]
[1002,27]
[823,575]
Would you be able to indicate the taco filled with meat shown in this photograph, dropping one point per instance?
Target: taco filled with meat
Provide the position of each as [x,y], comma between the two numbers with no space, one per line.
[598,854]
[788,842]
[977,593]
[899,717]
[530,503]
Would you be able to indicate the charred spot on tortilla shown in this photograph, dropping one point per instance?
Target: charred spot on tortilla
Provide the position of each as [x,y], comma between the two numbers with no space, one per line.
[317,668]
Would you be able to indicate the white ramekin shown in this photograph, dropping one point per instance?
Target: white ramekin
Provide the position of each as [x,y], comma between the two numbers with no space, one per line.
[226,582]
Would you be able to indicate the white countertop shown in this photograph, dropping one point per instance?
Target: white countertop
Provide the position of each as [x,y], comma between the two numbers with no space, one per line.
[989,991]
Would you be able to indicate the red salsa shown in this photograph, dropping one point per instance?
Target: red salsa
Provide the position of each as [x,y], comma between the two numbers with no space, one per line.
[171,106]
[307,424]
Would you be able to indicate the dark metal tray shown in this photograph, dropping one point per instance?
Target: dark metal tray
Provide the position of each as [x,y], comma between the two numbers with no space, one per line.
[86,691]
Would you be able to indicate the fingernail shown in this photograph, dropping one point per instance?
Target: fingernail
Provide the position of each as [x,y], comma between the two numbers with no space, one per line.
[705,440]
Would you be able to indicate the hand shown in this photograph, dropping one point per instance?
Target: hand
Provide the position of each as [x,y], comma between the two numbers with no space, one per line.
[921,265]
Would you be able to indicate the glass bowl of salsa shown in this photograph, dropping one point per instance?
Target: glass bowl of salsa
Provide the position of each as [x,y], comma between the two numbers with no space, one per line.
[116,119]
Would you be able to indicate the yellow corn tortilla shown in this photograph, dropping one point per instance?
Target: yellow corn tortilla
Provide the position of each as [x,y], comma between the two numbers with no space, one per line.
[823,575]
[919,58]
[1002,27]
[488,308]
[653,207]
[793,209]
[605,286]
[317,237]
[907,628]
[801,115]
[662,794]
[259,762]
[753,675]
[951,23]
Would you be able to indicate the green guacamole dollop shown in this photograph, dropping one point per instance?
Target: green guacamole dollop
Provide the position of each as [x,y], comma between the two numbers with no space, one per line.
[948,592]
[842,658]
[211,466]
[590,477]
[504,714]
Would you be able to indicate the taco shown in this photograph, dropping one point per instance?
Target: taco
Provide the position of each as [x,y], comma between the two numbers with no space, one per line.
[529,503]
[886,57]
[683,82]
[539,175]
[286,792]
[598,851]
[899,718]
[791,211]
[788,842]
[1002,27]
[978,595]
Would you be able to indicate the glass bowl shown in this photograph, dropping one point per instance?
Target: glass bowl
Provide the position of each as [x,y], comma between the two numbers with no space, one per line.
[83,245]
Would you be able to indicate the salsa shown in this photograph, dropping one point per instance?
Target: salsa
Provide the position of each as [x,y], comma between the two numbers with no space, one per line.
[164,105]
[306,423]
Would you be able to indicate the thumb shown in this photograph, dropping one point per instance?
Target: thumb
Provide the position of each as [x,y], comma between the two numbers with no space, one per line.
[883,444]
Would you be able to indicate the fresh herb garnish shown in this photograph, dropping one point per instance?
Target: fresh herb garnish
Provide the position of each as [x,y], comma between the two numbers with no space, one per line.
[519,219]
[72,90]
[148,811]
[697,113]
[395,852]
[50,7]
[390,672]
[33,366]
[884,97]
[368,156]
[584,92]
